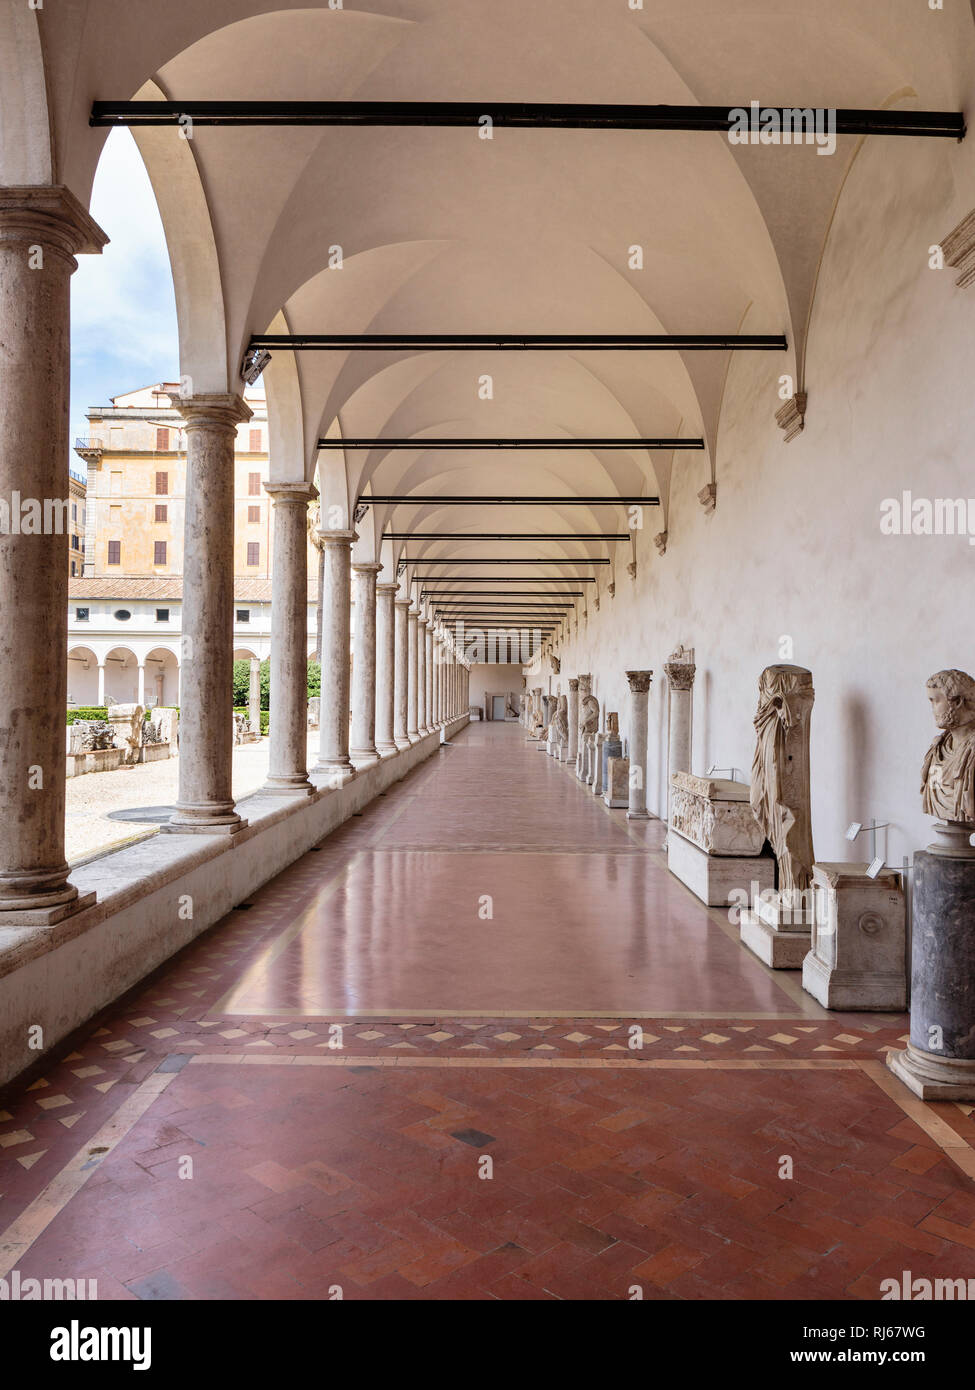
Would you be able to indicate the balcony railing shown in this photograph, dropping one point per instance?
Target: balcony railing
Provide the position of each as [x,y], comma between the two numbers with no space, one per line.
[87,442]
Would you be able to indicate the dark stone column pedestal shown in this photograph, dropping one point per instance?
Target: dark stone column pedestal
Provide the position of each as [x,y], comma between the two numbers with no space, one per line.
[939,1063]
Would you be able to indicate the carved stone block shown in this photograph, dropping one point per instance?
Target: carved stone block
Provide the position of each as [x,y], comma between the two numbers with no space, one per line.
[714,814]
[858,940]
[719,879]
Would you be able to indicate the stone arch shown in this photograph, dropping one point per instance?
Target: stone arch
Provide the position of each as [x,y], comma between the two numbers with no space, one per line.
[26,152]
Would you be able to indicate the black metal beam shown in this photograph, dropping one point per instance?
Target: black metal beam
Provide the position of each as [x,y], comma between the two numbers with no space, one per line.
[503,594]
[507,536]
[507,443]
[518,114]
[420,501]
[522,560]
[500,578]
[506,342]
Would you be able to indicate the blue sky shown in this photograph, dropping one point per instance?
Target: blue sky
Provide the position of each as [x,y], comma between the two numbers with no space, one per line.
[123,312]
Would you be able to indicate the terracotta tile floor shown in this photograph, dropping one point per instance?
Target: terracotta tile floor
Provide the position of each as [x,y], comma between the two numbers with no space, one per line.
[340,1055]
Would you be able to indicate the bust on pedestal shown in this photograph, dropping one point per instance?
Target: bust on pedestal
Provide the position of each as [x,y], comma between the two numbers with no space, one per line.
[939,1063]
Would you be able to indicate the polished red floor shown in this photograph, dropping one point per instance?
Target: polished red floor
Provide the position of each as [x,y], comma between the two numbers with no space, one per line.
[303,1101]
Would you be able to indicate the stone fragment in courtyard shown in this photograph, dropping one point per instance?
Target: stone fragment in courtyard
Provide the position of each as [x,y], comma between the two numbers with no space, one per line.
[858,939]
[715,845]
[779,928]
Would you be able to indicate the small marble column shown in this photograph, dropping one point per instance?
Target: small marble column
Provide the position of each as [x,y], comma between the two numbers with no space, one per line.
[639,682]
[101,686]
[402,674]
[287,772]
[205,802]
[572,747]
[333,729]
[680,677]
[385,669]
[413,676]
[421,676]
[254,697]
[42,229]
[428,676]
[363,750]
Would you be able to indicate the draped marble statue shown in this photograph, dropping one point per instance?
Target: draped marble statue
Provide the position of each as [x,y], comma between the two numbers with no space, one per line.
[948,774]
[780,793]
[588,728]
[560,726]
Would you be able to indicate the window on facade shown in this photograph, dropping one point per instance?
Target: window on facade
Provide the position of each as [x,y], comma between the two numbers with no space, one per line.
[115,552]
[81,615]
[159,553]
[243,615]
[256,441]
[162,484]
[73,570]
[74,511]
[122,614]
[253,552]
[162,615]
[253,516]
[162,511]
[75,541]
[162,443]
[254,484]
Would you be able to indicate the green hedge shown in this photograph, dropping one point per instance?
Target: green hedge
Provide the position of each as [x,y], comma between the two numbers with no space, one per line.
[242,683]
[86,712]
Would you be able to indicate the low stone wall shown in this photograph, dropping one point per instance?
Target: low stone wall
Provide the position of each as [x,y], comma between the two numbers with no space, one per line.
[60,976]
[155,752]
[99,760]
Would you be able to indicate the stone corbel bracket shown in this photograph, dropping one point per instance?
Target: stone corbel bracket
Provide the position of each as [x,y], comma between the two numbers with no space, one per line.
[708,497]
[958,248]
[660,541]
[792,416]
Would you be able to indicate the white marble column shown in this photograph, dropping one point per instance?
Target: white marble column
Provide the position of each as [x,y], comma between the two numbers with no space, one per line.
[421,676]
[288,725]
[572,747]
[413,676]
[385,669]
[680,679]
[333,746]
[428,642]
[402,673]
[205,803]
[639,682]
[41,231]
[363,750]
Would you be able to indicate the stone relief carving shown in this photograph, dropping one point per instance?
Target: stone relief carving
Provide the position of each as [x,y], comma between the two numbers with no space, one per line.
[91,736]
[780,791]
[714,814]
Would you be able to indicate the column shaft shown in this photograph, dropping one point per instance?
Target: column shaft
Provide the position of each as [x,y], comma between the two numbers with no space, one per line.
[205,801]
[413,677]
[333,746]
[402,674]
[363,750]
[639,682]
[421,676]
[385,668]
[288,725]
[41,230]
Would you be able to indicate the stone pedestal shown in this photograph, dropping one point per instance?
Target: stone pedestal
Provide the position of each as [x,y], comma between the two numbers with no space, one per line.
[778,928]
[718,879]
[857,955]
[597,764]
[939,1063]
[617,793]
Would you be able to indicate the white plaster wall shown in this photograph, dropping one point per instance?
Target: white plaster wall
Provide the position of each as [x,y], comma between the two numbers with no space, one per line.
[495,679]
[794,547]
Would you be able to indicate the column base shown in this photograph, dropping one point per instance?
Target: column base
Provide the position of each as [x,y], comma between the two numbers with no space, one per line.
[282,787]
[387,750]
[45,916]
[402,743]
[203,827]
[637,815]
[338,774]
[932,1077]
[414,737]
[363,757]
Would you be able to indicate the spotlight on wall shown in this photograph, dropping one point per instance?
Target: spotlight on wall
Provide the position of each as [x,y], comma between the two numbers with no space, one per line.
[254,363]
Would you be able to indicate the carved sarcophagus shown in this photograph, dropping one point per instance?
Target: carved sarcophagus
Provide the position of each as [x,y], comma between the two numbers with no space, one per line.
[714,814]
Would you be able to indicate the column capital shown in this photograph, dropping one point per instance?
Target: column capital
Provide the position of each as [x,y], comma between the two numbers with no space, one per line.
[50,212]
[217,409]
[365,567]
[680,674]
[291,492]
[639,681]
[402,602]
[329,537]
[386,588]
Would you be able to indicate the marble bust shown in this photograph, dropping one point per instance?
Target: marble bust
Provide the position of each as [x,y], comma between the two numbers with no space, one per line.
[948,773]
[780,792]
